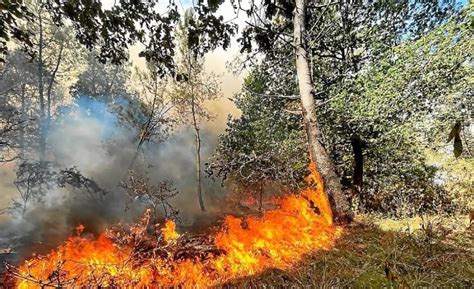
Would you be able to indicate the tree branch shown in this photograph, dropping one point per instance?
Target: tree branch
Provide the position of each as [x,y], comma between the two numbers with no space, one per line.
[292,97]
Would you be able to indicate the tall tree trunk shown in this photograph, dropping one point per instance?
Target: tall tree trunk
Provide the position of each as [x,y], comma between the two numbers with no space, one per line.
[50,87]
[191,59]
[358,166]
[23,121]
[42,137]
[198,157]
[319,155]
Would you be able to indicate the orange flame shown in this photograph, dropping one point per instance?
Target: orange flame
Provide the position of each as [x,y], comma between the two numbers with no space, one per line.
[169,231]
[279,238]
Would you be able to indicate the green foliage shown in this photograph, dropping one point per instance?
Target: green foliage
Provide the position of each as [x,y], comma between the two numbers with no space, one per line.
[193,86]
[456,176]
[401,104]
[398,86]
[11,12]
[112,31]
[102,81]
[266,144]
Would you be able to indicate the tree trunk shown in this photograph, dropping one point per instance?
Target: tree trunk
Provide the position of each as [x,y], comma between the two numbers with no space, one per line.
[358,173]
[42,136]
[198,159]
[23,121]
[319,155]
[50,87]
[146,129]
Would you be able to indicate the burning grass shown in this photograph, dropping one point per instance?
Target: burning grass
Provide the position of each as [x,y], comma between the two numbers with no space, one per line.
[139,257]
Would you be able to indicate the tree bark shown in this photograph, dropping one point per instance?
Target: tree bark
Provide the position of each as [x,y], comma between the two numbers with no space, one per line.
[318,154]
[198,158]
[23,121]
[358,173]
[50,86]
[42,137]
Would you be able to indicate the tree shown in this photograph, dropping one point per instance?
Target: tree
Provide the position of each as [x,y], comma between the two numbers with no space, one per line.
[403,107]
[318,152]
[264,148]
[17,82]
[156,196]
[32,182]
[105,82]
[55,53]
[152,117]
[113,31]
[192,88]
[352,43]
[22,80]
[336,31]
[11,13]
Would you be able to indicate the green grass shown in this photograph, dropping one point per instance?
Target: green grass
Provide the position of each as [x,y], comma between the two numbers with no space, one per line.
[413,253]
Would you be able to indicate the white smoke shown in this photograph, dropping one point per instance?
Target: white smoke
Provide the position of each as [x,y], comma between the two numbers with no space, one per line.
[88,136]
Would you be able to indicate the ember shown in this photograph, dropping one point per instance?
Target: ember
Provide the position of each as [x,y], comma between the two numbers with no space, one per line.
[134,257]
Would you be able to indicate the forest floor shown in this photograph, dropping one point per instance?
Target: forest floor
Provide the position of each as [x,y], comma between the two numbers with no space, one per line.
[432,252]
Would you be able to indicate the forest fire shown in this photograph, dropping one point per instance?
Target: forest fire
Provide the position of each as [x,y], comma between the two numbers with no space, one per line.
[135,258]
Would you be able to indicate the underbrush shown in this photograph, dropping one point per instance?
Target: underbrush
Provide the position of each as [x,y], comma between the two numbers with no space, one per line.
[428,252]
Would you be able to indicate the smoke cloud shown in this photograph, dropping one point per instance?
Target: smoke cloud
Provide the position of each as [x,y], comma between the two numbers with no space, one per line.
[88,136]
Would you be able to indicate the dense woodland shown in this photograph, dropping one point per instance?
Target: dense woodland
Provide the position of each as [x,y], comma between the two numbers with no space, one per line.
[378,94]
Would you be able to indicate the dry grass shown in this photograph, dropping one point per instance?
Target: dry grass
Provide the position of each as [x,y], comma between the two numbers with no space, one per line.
[376,253]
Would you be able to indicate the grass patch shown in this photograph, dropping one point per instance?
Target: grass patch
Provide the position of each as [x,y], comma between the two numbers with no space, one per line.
[377,253]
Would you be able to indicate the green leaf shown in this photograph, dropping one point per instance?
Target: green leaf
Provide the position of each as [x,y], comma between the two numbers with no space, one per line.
[457,146]
[214,4]
[455,131]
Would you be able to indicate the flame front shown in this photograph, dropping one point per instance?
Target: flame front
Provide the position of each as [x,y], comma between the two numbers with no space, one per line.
[277,239]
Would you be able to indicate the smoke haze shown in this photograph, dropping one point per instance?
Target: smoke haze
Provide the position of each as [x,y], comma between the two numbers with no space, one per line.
[87,136]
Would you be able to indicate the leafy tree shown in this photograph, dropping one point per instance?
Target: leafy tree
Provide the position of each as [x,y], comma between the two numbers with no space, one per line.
[302,26]
[402,105]
[54,52]
[112,31]
[265,146]
[35,178]
[102,81]
[11,13]
[17,85]
[192,88]
[351,37]
[32,87]
[343,41]
[32,182]
[152,115]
